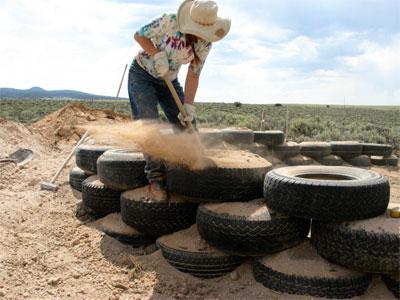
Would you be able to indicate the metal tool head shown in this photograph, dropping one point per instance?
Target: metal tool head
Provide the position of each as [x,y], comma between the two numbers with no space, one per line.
[48,186]
[21,156]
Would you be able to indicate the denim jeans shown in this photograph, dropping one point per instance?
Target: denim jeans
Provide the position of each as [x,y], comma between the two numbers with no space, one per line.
[145,94]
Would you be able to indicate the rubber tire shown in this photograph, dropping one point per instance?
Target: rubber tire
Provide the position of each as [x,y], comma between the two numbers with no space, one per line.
[76,177]
[286,150]
[135,241]
[299,160]
[99,199]
[210,136]
[217,184]
[315,149]
[339,288]
[359,161]
[158,218]
[346,149]
[356,248]
[329,200]
[331,160]
[238,236]
[198,264]
[392,284]
[122,170]
[86,157]
[385,161]
[269,137]
[377,149]
[238,136]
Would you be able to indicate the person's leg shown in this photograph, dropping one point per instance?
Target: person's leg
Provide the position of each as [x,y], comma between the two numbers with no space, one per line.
[144,100]
[142,95]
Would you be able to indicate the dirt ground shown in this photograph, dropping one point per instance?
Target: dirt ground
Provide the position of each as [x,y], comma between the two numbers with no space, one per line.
[47,253]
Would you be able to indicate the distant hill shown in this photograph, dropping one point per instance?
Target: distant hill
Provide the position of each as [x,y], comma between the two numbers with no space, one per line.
[37,92]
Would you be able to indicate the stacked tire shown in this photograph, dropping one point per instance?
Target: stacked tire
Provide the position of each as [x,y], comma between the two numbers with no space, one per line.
[104,174]
[232,177]
[352,235]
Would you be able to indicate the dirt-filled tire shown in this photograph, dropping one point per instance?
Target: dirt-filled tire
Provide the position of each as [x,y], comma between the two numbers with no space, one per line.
[122,170]
[98,198]
[346,149]
[359,161]
[87,155]
[315,149]
[369,250]
[223,182]
[204,264]
[113,226]
[393,284]
[211,137]
[286,150]
[385,161]
[156,218]
[327,193]
[328,281]
[238,136]
[299,160]
[377,149]
[331,160]
[248,229]
[76,177]
[269,137]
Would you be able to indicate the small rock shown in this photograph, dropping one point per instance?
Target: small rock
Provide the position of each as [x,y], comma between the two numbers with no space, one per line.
[91,118]
[113,297]
[75,242]
[183,291]
[2,294]
[234,275]
[76,275]
[120,285]
[54,281]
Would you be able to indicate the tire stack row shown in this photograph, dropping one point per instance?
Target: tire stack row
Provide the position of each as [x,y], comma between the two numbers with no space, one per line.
[334,153]
[107,174]
[238,208]
[352,234]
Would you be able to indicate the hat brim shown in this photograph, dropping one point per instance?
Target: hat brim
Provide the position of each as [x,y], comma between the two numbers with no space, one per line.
[210,33]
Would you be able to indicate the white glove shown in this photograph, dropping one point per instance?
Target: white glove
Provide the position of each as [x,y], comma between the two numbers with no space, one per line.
[161,63]
[190,112]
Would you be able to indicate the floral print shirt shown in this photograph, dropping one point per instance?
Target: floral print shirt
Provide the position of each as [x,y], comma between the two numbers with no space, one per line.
[165,35]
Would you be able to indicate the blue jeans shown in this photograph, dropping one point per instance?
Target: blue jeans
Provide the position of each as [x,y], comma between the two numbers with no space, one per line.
[145,93]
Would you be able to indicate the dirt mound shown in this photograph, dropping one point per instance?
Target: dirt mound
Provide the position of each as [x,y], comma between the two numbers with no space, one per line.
[14,136]
[68,122]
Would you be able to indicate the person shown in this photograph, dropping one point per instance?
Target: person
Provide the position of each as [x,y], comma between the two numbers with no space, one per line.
[167,43]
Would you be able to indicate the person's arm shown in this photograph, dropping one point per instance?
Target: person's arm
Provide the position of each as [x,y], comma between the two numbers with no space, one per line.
[191,85]
[146,44]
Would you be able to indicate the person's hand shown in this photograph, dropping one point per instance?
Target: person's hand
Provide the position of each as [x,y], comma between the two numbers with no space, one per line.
[161,63]
[190,112]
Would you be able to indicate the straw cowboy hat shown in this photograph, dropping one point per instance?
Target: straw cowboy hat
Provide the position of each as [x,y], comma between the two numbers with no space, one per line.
[199,17]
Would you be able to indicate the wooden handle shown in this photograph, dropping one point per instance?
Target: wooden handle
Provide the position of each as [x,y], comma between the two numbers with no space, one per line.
[69,157]
[178,101]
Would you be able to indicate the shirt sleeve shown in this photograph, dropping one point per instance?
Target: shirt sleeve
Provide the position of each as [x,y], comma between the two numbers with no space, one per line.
[202,51]
[156,28]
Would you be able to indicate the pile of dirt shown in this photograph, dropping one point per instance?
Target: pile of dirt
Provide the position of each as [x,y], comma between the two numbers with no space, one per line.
[69,122]
[304,260]
[14,136]
[189,240]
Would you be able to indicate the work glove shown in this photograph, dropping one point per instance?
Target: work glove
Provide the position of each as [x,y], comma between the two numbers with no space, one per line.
[190,112]
[161,63]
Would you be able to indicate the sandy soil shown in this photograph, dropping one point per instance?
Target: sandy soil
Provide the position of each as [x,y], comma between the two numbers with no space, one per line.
[48,253]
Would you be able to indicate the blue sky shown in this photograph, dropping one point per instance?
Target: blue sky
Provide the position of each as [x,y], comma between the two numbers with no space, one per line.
[289,51]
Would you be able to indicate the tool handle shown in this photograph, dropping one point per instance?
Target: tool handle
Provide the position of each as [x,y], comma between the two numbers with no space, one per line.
[178,101]
[69,156]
